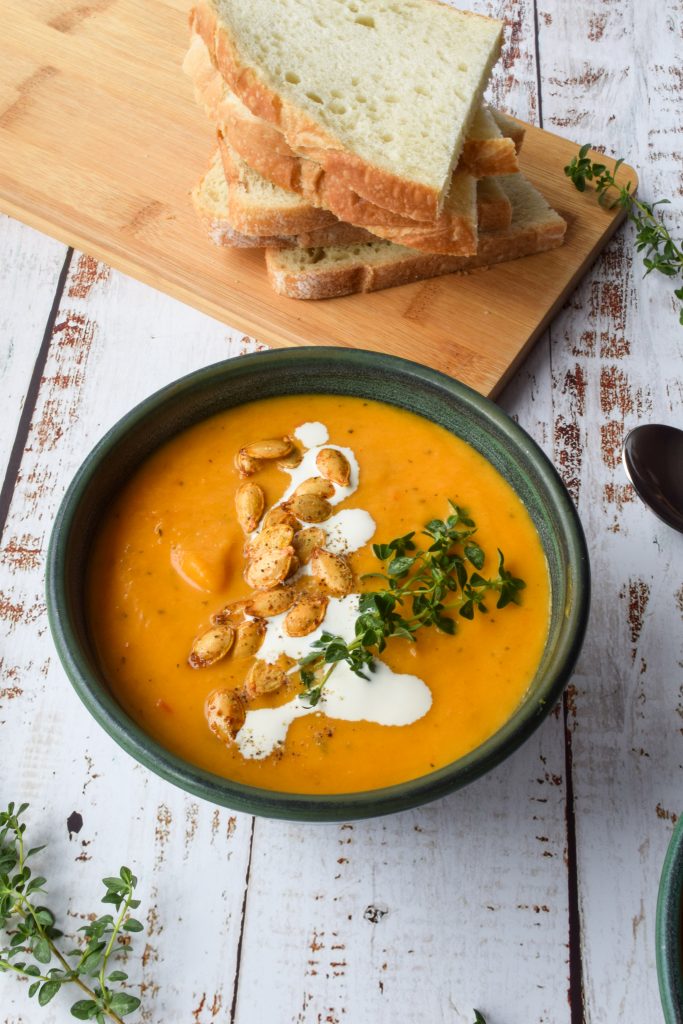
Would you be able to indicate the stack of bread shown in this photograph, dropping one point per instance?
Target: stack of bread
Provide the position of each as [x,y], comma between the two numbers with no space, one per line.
[353,144]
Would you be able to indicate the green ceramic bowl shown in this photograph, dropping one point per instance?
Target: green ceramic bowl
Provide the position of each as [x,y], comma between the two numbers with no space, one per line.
[670,930]
[329,371]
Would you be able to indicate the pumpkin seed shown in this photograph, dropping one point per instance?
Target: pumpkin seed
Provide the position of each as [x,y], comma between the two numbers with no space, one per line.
[309,585]
[334,466]
[227,613]
[309,507]
[306,541]
[294,566]
[306,615]
[292,460]
[263,678]
[272,538]
[211,646]
[246,465]
[248,638]
[268,568]
[316,485]
[277,516]
[271,448]
[333,571]
[249,504]
[266,603]
[225,714]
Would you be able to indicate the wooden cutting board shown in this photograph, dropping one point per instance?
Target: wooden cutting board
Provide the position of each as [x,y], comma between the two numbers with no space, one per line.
[100,143]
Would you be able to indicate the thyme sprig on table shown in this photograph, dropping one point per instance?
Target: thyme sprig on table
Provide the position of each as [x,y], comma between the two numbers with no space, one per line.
[660,251]
[423,587]
[31,931]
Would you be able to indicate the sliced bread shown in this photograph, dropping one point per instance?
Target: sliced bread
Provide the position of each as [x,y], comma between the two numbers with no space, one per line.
[489,210]
[455,231]
[221,207]
[487,150]
[312,71]
[258,207]
[253,219]
[510,127]
[344,270]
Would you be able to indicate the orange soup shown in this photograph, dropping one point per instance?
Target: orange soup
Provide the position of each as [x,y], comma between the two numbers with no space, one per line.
[188,622]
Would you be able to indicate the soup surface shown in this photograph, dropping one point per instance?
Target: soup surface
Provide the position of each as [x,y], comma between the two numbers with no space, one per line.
[169,555]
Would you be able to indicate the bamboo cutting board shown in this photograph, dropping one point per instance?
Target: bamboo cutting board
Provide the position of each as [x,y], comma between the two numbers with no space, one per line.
[100,142]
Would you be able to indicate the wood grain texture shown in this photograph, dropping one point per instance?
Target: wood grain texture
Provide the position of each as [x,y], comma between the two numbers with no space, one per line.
[29,271]
[97,367]
[100,142]
[443,908]
[616,360]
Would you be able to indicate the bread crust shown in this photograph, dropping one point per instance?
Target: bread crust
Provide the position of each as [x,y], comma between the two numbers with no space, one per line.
[487,158]
[265,148]
[244,226]
[321,282]
[414,200]
[253,220]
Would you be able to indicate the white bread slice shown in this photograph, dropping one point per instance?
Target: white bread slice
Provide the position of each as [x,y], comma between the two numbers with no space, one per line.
[493,209]
[311,69]
[261,217]
[344,270]
[455,231]
[253,219]
[259,207]
[487,151]
[510,127]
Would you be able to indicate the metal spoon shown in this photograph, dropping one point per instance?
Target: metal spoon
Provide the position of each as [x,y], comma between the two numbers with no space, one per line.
[653,460]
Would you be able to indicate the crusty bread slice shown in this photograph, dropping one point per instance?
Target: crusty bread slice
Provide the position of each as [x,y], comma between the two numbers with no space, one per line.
[487,150]
[492,209]
[311,70]
[344,270]
[510,127]
[255,221]
[256,206]
[455,231]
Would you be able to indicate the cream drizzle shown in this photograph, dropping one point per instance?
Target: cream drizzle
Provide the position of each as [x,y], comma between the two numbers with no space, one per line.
[386,698]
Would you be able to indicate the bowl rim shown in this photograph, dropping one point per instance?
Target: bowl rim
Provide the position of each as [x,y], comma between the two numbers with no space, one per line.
[297,806]
[669,929]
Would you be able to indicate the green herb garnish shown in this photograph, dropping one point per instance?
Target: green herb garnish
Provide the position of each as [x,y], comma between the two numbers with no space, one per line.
[479,1019]
[31,930]
[423,588]
[660,251]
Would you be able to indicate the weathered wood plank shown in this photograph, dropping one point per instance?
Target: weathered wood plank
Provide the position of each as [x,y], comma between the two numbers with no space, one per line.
[420,916]
[616,358]
[29,271]
[114,342]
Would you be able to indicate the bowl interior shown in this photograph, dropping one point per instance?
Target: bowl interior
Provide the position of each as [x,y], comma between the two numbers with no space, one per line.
[670,930]
[324,371]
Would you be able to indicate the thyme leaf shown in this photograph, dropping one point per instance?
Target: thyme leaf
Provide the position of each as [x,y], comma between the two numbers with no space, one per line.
[659,250]
[423,587]
[32,936]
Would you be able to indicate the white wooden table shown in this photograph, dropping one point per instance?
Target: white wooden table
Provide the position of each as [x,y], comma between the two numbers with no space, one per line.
[531,894]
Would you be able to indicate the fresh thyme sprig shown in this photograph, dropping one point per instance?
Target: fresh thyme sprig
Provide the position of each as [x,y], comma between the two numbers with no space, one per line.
[661,252]
[31,930]
[423,588]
